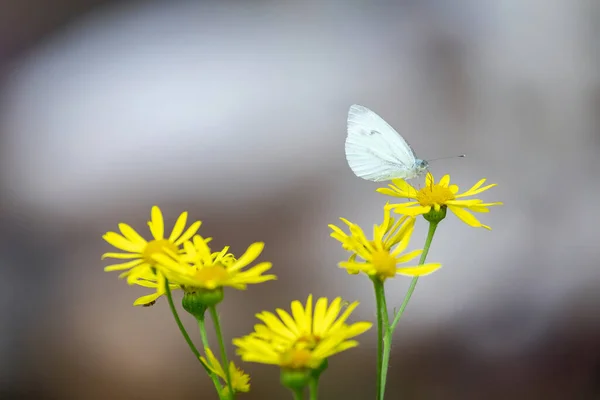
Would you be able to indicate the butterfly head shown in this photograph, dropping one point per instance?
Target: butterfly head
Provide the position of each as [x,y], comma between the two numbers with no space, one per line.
[421,166]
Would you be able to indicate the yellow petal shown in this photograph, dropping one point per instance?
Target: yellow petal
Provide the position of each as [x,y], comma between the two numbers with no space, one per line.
[178,227]
[122,243]
[445,181]
[429,181]
[287,319]
[332,313]
[157,224]
[191,231]
[300,320]
[420,270]
[408,256]
[123,266]
[467,217]
[131,234]
[404,187]
[342,319]
[476,189]
[408,209]
[393,193]
[122,256]
[250,255]
[147,299]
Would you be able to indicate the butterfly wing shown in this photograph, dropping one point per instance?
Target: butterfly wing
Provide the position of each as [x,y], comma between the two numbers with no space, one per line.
[374,150]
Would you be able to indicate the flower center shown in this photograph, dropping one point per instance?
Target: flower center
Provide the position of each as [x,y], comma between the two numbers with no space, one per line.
[211,277]
[296,358]
[308,341]
[156,247]
[434,194]
[384,263]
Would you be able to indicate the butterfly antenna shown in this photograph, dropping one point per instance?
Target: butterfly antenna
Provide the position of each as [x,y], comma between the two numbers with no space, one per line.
[445,158]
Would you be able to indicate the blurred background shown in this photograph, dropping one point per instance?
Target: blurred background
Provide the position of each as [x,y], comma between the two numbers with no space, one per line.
[236,112]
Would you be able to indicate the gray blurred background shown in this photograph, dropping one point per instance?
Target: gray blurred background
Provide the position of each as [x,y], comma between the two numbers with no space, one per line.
[236,112]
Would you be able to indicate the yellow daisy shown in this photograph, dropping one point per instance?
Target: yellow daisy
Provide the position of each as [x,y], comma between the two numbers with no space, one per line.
[240,381]
[380,256]
[440,195]
[140,251]
[199,268]
[303,339]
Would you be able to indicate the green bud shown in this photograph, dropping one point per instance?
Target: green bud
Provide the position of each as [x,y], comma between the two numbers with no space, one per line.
[436,216]
[295,379]
[198,301]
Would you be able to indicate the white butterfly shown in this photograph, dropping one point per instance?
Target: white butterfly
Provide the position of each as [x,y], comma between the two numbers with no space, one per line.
[376,152]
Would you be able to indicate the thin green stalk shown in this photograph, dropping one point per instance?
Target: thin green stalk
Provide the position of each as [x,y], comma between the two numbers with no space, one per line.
[381,315]
[389,329]
[413,283]
[314,388]
[387,344]
[180,325]
[297,394]
[204,338]
[215,317]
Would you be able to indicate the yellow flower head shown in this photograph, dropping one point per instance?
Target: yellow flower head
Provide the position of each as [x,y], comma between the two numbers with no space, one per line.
[240,381]
[199,268]
[439,195]
[140,251]
[304,339]
[380,256]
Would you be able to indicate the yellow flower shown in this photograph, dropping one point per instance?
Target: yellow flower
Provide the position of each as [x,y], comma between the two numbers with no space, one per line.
[303,339]
[199,268]
[240,381]
[378,257]
[141,251]
[438,195]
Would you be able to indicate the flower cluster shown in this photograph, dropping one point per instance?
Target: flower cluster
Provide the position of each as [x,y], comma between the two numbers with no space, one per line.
[300,341]
[185,259]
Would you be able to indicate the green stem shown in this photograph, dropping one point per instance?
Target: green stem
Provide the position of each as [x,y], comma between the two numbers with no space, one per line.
[180,325]
[204,338]
[215,317]
[387,344]
[314,388]
[389,329]
[381,317]
[297,394]
[413,283]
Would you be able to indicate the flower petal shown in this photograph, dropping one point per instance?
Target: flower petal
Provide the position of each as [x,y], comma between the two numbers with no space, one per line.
[178,227]
[405,187]
[250,255]
[123,266]
[191,231]
[131,234]
[476,189]
[420,270]
[407,209]
[122,243]
[445,181]
[122,256]
[467,217]
[429,181]
[393,193]
[147,299]
[408,256]
[157,224]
